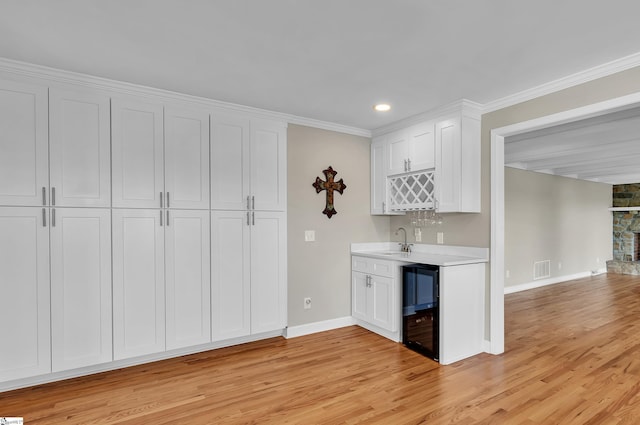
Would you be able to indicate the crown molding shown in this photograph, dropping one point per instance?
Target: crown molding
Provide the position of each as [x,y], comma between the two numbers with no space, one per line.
[58,76]
[463,106]
[585,76]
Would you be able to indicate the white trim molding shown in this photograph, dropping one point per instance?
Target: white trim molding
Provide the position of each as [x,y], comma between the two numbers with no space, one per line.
[496,319]
[551,281]
[58,76]
[315,327]
[585,76]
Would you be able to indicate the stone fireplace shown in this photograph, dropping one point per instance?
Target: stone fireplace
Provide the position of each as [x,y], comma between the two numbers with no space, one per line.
[626,230]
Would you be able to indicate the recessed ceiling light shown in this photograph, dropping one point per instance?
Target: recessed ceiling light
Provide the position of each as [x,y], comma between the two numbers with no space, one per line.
[382,107]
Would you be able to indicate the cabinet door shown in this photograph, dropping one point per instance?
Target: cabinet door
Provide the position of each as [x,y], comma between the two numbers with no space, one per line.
[359,290]
[186,146]
[188,287]
[138,283]
[381,303]
[24,152]
[80,149]
[230,274]
[24,291]
[80,287]
[229,162]
[397,152]
[448,170]
[268,271]
[268,165]
[422,149]
[137,154]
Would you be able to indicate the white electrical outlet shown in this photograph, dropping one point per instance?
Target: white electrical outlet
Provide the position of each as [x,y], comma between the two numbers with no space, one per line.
[440,237]
[307,303]
[418,234]
[507,274]
[559,265]
[309,235]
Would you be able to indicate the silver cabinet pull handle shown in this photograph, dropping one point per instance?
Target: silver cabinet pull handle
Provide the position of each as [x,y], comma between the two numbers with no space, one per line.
[384,207]
[409,164]
[53,196]
[161,203]
[253,218]
[248,203]
[44,218]
[253,202]
[44,196]
[53,217]
[167,205]
[167,210]
[248,218]
[160,218]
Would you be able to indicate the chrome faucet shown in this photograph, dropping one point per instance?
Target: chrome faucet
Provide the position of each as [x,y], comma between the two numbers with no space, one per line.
[404,247]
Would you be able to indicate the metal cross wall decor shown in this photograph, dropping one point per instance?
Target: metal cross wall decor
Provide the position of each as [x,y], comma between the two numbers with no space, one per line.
[330,186]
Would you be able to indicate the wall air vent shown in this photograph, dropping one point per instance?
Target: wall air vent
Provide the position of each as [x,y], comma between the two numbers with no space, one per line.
[541,269]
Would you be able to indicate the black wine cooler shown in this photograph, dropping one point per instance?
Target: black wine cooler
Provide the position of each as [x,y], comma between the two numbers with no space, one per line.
[420,310]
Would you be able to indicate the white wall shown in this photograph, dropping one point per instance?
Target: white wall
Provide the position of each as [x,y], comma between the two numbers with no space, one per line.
[555,218]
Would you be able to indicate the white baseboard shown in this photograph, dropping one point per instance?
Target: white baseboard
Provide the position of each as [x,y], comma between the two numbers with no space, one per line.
[552,280]
[315,327]
[119,364]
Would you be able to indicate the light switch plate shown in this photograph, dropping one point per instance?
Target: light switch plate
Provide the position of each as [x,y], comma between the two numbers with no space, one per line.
[440,237]
[309,235]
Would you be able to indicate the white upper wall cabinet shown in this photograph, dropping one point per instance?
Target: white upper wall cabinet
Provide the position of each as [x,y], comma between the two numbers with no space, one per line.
[24,173]
[24,291]
[422,149]
[457,180]
[80,287]
[397,152]
[443,154]
[79,149]
[248,163]
[268,165]
[186,150]
[138,155]
[230,173]
[410,149]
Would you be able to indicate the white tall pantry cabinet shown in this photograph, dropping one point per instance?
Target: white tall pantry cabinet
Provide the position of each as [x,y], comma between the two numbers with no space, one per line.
[248,222]
[61,284]
[133,227]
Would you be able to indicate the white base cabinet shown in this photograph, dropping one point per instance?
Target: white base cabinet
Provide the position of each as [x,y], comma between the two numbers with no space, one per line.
[80,287]
[187,265]
[138,283]
[375,289]
[154,311]
[24,291]
[248,282]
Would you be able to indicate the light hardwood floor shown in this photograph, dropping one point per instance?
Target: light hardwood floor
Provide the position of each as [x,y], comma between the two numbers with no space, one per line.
[573,357]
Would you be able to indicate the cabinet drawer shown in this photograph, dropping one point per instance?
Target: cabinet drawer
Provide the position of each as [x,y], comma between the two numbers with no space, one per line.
[372,266]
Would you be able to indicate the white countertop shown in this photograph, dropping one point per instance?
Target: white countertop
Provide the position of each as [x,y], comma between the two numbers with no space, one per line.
[437,255]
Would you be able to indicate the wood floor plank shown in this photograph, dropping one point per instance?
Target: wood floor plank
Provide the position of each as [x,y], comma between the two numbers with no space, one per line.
[572,357]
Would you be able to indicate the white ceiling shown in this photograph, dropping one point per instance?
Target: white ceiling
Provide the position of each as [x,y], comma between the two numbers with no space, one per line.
[604,149]
[329,60]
